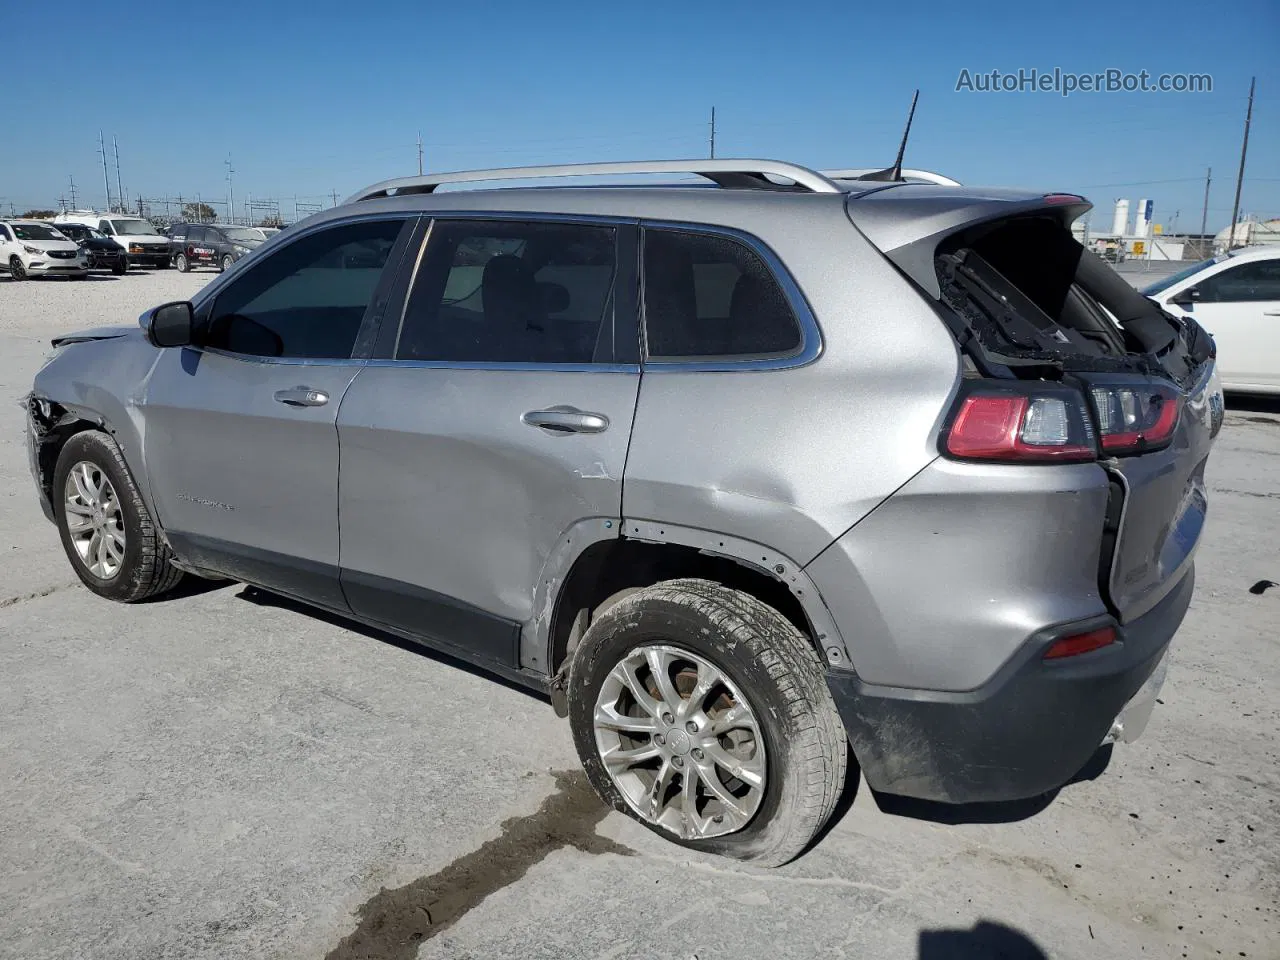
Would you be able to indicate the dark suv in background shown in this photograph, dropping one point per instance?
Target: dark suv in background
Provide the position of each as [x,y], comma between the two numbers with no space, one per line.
[103,253]
[211,244]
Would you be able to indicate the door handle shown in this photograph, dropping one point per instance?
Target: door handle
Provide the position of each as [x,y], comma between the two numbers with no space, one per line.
[1271,313]
[302,397]
[566,420]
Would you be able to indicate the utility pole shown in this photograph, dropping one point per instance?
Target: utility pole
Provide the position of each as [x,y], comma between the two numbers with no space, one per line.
[119,189]
[419,153]
[335,198]
[713,133]
[231,193]
[73,193]
[1244,148]
[106,181]
[1204,211]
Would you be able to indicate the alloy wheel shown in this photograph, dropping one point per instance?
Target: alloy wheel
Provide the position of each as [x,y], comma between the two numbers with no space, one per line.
[94,520]
[680,742]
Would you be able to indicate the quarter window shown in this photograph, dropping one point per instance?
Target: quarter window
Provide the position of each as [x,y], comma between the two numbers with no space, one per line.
[309,298]
[512,292]
[709,296]
[1248,282]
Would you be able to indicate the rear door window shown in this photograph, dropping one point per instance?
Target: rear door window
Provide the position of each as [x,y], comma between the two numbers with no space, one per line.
[308,299]
[512,292]
[708,296]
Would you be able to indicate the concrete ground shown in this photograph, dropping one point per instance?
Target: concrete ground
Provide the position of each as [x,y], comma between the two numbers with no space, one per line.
[226,775]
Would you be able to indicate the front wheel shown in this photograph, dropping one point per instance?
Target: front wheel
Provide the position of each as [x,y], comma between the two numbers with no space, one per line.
[227,261]
[705,715]
[120,268]
[162,264]
[17,269]
[181,262]
[106,530]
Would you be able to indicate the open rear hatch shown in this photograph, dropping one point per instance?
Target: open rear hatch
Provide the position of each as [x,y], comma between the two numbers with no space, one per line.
[1037,314]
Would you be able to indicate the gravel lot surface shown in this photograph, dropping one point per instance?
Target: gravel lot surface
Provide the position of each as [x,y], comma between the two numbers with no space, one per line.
[225,775]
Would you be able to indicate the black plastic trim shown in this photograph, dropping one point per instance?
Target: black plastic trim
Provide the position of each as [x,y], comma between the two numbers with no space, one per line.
[1023,733]
[433,617]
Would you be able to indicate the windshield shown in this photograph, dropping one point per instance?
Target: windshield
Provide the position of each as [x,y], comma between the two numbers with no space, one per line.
[242,234]
[36,231]
[1161,285]
[133,228]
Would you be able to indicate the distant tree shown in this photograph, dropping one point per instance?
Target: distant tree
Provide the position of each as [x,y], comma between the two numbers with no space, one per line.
[198,213]
[271,221]
[39,214]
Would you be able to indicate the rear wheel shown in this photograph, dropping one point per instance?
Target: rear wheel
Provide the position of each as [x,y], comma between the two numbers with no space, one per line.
[180,261]
[106,531]
[705,715]
[16,268]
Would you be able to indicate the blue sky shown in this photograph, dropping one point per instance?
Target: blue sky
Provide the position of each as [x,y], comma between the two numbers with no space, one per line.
[316,96]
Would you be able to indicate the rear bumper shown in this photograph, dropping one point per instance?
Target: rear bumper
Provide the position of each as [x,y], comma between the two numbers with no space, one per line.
[1026,731]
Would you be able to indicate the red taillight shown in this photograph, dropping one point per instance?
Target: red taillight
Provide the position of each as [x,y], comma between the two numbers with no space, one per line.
[1081,643]
[1056,198]
[1135,419]
[1019,427]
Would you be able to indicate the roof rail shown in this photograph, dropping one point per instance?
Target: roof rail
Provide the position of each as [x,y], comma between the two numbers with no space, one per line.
[725,173]
[927,175]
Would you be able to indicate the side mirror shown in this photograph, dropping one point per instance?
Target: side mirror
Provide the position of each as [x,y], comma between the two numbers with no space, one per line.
[170,324]
[1185,298]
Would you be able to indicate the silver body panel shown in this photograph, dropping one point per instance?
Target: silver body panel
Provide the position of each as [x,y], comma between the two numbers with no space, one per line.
[444,487]
[946,580]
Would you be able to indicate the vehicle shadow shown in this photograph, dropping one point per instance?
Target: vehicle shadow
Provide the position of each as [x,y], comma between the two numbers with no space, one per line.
[189,586]
[1011,811]
[985,941]
[1252,403]
[264,598]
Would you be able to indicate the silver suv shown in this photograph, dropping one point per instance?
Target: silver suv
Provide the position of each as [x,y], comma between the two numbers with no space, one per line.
[750,477]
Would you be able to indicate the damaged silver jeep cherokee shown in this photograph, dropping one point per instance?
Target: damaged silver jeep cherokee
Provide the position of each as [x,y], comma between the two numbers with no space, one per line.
[748,476]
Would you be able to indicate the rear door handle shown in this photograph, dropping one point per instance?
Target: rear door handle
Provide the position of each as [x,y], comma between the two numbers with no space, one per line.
[1271,313]
[302,397]
[566,420]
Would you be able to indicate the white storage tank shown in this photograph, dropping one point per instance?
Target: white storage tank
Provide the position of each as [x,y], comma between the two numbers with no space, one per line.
[1142,218]
[1120,225]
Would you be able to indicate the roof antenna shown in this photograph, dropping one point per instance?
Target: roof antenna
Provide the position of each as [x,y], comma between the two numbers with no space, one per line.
[895,172]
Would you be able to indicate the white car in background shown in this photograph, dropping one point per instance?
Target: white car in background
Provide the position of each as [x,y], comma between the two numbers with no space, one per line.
[1236,298]
[35,248]
[140,238]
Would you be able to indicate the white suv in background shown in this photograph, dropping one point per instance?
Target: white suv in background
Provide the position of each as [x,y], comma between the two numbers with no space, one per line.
[34,248]
[1236,298]
[139,237]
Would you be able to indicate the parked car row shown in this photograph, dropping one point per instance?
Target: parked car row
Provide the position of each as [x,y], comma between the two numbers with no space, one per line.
[72,244]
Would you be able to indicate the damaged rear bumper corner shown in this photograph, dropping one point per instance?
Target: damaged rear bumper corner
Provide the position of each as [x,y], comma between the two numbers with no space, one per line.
[1025,732]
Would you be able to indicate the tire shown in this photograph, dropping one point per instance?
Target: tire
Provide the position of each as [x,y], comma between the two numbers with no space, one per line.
[225,263]
[17,269]
[120,268]
[180,261]
[696,628]
[162,264]
[142,569]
